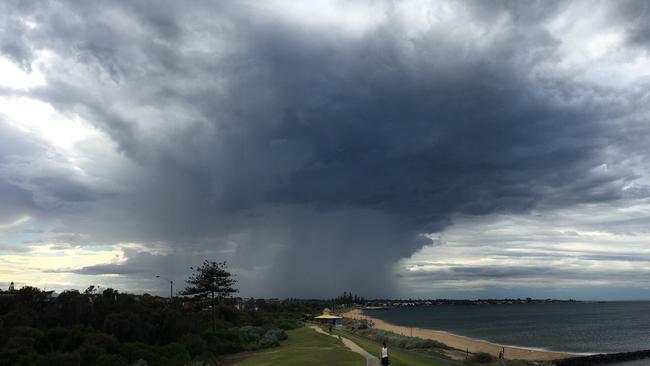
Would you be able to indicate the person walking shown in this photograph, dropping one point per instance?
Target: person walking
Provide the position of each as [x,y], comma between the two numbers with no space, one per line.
[384,355]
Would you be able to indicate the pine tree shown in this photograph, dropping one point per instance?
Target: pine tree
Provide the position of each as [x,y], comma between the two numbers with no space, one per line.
[213,281]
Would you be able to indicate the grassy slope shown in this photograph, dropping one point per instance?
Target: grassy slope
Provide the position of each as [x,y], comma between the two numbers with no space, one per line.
[306,347]
[398,358]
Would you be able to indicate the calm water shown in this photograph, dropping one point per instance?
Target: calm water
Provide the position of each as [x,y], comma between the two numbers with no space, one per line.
[570,327]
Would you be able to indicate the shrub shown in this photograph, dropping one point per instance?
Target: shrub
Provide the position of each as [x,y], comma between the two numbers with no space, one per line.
[125,326]
[136,351]
[481,357]
[175,353]
[412,343]
[194,344]
[268,341]
[255,332]
[110,360]
[280,334]
[62,359]
[223,341]
[355,324]
[104,341]
[287,324]
[399,340]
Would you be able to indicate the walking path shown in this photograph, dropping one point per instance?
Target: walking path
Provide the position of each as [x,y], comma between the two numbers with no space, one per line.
[370,359]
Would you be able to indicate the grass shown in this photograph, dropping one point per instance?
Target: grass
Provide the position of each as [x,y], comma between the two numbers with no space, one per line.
[397,357]
[305,347]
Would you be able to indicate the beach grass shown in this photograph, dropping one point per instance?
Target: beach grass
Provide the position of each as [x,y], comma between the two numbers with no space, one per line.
[398,357]
[305,347]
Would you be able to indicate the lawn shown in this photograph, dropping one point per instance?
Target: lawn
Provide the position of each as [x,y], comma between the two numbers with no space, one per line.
[398,358]
[305,347]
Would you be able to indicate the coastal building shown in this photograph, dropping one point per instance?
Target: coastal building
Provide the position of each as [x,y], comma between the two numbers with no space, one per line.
[328,318]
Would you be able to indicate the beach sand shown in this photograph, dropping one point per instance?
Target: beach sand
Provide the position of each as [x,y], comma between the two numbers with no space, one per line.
[460,342]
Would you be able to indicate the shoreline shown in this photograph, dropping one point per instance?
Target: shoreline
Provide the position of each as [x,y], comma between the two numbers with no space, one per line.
[464,343]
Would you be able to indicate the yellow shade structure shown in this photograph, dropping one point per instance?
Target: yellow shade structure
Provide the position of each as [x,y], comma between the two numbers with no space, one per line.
[327,314]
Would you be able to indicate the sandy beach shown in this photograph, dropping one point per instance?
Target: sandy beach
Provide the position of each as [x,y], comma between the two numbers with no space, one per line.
[460,342]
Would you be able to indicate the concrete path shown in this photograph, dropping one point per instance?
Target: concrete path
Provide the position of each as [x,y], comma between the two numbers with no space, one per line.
[370,359]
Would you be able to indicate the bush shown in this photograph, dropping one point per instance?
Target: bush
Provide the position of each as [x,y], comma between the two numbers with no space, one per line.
[136,351]
[110,360]
[125,326]
[223,341]
[268,341]
[413,343]
[255,332]
[62,359]
[175,353]
[399,340]
[194,344]
[355,324]
[104,341]
[280,334]
[481,357]
[287,324]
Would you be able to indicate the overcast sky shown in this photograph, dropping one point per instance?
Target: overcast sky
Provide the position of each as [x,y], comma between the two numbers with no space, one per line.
[397,148]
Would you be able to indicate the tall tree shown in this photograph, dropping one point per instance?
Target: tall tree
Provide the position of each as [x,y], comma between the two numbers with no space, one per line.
[211,280]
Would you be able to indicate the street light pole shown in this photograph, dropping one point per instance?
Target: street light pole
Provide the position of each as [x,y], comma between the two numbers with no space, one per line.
[171,286]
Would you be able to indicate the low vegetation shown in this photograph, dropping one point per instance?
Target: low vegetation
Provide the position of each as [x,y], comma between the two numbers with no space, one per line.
[114,328]
[306,347]
[362,328]
[417,351]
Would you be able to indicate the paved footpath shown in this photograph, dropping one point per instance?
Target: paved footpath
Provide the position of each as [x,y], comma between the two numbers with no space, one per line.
[370,359]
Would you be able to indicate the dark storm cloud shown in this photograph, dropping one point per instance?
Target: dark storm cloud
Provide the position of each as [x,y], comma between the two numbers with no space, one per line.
[321,150]
[635,16]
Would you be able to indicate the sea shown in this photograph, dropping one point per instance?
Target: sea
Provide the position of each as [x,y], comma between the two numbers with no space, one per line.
[576,327]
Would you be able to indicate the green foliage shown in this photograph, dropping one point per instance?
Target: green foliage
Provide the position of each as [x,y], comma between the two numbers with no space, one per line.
[61,359]
[110,360]
[125,326]
[399,340]
[279,334]
[194,344]
[480,357]
[268,341]
[175,354]
[288,323]
[223,341]
[109,327]
[211,279]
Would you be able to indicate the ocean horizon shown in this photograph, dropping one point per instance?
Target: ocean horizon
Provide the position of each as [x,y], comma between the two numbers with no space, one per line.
[581,327]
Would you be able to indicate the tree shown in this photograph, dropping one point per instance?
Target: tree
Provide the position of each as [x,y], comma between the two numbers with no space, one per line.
[211,280]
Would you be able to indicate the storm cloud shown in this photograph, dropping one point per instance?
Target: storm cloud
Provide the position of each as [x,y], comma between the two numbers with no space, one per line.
[314,145]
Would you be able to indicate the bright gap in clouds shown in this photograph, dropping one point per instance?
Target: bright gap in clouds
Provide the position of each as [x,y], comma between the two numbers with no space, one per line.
[597,249]
[41,120]
[15,78]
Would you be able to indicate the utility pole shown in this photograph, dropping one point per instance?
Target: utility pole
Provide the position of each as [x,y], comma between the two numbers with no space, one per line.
[171,287]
